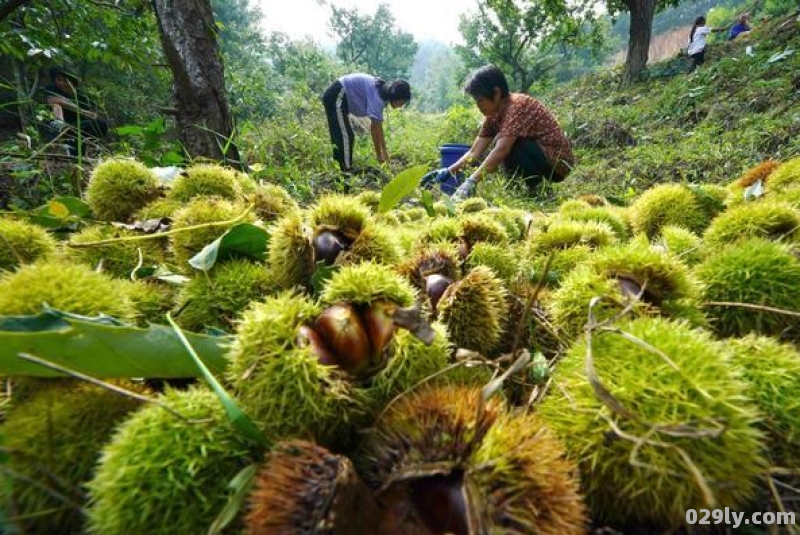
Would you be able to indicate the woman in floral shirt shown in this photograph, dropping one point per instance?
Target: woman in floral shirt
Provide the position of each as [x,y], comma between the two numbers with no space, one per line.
[530,143]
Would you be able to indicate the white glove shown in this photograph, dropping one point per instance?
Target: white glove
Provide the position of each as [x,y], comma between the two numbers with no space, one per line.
[464,190]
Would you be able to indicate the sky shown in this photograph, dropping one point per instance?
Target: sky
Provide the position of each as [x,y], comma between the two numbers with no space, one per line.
[435,20]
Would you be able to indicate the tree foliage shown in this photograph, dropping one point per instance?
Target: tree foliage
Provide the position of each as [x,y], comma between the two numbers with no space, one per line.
[436,77]
[373,41]
[303,63]
[250,79]
[525,37]
[101,42]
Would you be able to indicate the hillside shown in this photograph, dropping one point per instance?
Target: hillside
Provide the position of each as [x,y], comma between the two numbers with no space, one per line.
[734,112]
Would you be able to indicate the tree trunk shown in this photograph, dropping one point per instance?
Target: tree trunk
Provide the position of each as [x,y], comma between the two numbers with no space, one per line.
[190,45]
[642,12]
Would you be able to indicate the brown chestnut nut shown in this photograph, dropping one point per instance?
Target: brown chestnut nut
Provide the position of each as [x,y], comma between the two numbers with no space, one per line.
[441,503]
[308,337]
[327,246]
[379,320]
[435,286]
[342,330]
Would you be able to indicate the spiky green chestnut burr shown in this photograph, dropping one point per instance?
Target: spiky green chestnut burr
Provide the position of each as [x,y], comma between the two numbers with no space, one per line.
[713,198]
[474,310]
[341,213]
[440,257]
[573,205]
[767,219]
[618,275]
[481,228]
[343,225]
[23,243]
[151,301]
[54,439]
[63,286]
[772,372]
[503,260]
[441,230]
[472,205]
[680,243]
[593,199]
[564,234]
[673,429]
[216,299]
[291,253]
[416,214]
[271,202]
[357,326]
[279,377]
[161,474]
[514,221]
[158,209]
[563,262]
[118,188]
[667,204]
[304,489]
[365,283]
[388,219]
[790,196]
[755,272]
[600,215]
[117,258]
[440,465]
[412,362]
[785,176]
[370,199]
[375,243]
[205,180]
[340,232]
[198,212]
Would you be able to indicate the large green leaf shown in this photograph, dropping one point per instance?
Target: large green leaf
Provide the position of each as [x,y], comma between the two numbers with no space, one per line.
[243,239]
[236,415]
[400,186]
[103,347]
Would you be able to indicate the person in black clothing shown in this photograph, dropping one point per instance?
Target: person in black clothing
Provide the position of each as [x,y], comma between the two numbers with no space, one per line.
[71,105]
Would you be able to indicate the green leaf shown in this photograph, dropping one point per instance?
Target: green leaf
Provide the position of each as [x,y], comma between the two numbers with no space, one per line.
[244,239]
[427,202]
[102,347]
[240,485]
[60,211]
[172,158]
[237,416]
[448,203]
[780,55]
[400,186]
[129,130]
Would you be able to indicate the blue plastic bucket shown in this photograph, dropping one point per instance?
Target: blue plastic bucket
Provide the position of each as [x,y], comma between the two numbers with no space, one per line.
[451,152]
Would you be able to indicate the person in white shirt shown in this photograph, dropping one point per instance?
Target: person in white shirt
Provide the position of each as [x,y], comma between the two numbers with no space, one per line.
[697,41]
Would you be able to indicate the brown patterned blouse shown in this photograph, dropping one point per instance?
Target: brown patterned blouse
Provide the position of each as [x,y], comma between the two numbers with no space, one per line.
[527,117]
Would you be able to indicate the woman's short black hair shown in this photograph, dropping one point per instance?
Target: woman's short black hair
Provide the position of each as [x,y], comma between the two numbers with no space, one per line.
[400,90]
[482,82]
